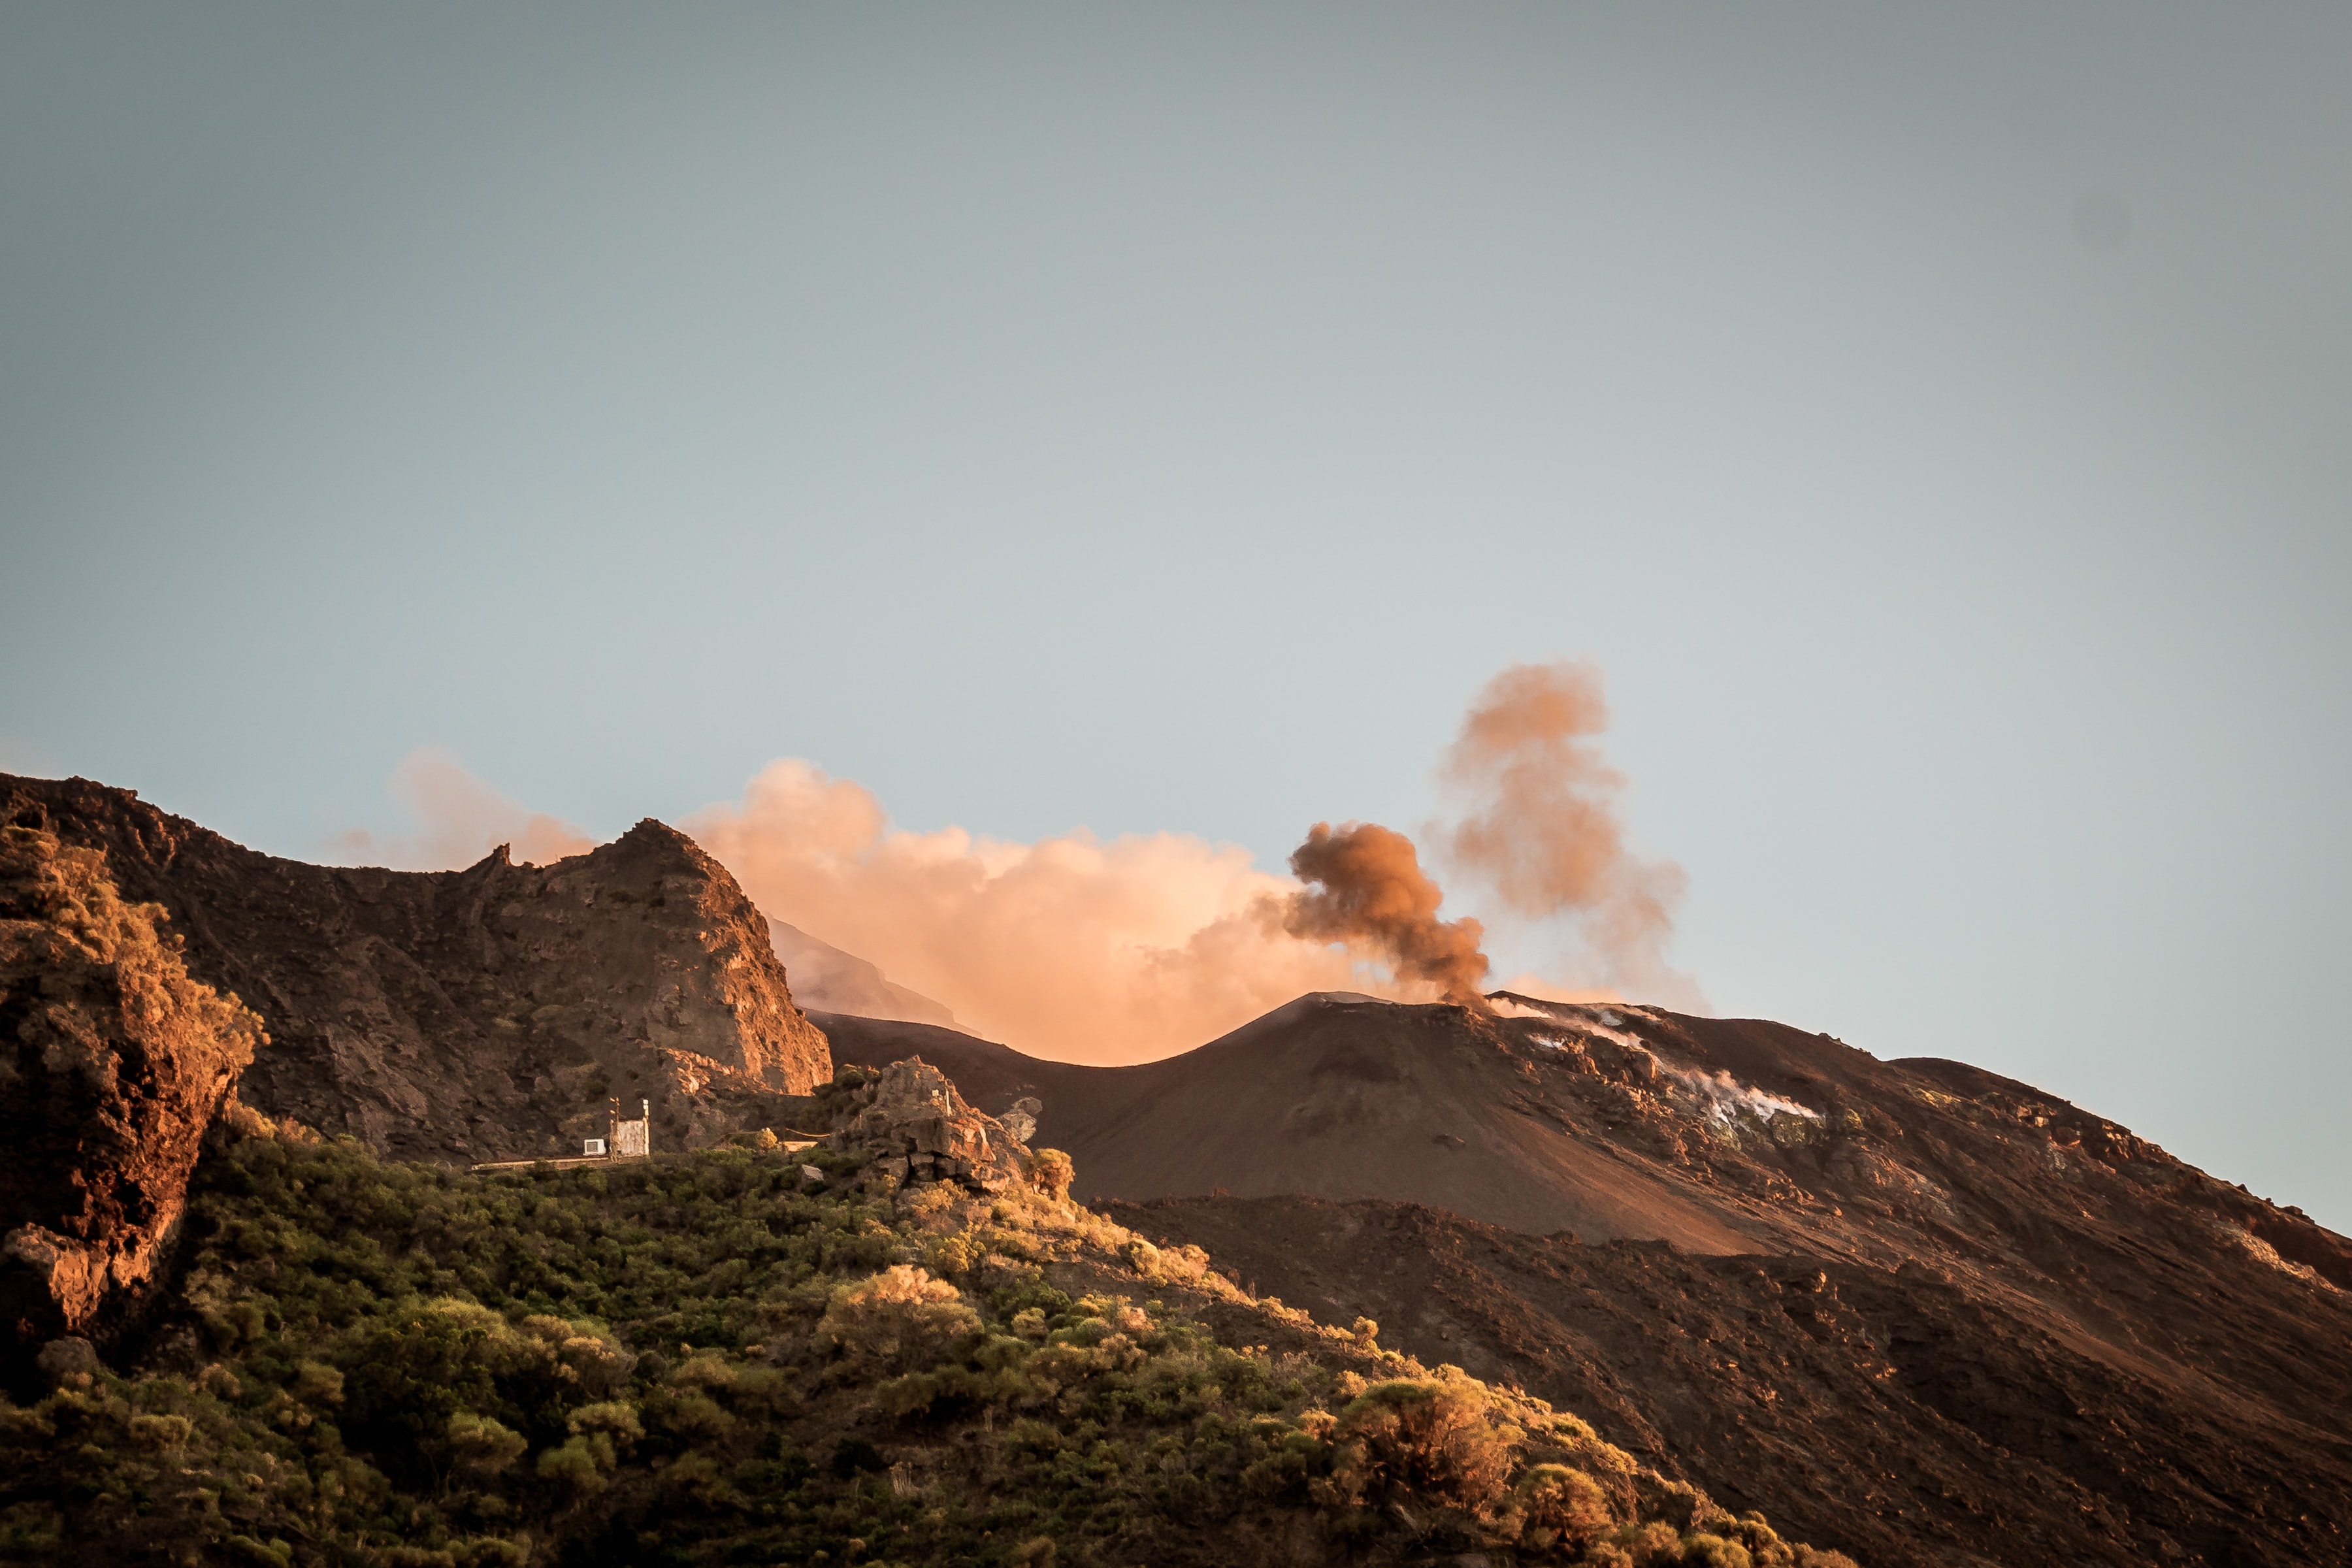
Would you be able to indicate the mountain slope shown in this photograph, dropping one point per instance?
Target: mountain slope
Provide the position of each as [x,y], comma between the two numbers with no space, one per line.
[1913,1291]
[1903,1416]
[711,1358]
[990,1075]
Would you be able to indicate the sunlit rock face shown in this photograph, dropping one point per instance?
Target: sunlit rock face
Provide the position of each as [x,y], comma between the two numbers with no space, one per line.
[919,1129]
[114,1061]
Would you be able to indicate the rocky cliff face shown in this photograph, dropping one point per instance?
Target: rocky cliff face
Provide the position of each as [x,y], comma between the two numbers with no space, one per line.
[113,1062]
[487,1013]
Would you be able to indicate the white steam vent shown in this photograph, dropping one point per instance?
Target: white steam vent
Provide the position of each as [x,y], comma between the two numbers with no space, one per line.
[1725,1096]
[1721,1097]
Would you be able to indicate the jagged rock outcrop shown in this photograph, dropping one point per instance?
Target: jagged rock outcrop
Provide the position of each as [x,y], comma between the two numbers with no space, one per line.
[487,1013]
[919,1129]
[113,1062]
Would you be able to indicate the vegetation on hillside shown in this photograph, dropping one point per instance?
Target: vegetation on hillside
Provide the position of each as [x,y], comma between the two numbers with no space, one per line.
[710,1359]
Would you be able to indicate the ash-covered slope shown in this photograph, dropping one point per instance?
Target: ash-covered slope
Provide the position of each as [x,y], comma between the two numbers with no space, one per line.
[1329,1095]
[1942,1317]
[1345,1097]
[475,1014]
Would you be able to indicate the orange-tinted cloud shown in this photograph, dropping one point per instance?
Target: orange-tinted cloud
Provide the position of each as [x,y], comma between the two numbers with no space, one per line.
[460,819]
[1542,831]
[1073,947]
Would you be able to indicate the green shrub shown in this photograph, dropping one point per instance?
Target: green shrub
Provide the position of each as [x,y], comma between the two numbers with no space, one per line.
[1562,1506]
[1702,1550]
[895,1320]
[1052,1172]
[1819,1557]
[160,1431]
[577,1468]
[481,1446]
[617,1421]
[1650,1544]
[1424,1437]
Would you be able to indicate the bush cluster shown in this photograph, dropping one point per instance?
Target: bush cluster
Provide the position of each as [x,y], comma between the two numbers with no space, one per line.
[695,1361]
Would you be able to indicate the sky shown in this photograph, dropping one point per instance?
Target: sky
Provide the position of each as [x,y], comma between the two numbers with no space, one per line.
[1935,422]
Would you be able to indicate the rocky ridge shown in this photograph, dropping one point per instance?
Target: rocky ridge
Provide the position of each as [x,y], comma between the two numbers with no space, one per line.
[826,979]
[482,1014]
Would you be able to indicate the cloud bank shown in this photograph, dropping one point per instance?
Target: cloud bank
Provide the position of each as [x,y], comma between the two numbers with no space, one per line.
[1073,947]
[1132,948]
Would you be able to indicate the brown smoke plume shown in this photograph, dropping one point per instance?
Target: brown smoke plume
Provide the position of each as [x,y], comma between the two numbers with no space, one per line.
[1543,831]
[1366,889]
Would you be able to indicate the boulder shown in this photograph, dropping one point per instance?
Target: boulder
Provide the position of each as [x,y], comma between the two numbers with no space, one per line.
[68,1362]
[910,1119]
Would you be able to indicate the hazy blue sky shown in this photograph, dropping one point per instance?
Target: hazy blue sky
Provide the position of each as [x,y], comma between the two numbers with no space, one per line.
[1937,423]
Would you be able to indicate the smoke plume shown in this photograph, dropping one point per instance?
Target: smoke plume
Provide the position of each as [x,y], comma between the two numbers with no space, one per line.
[1366,889]
[1542,830]
[460,818]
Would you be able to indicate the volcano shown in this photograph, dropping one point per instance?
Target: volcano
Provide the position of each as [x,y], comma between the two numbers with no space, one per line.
[1941,1317]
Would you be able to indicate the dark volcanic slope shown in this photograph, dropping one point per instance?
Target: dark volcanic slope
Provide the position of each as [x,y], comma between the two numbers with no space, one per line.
[482,1013]
[1905,1417]
[2027,1334]
[1344,1098]
[1339,1098]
